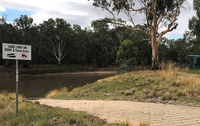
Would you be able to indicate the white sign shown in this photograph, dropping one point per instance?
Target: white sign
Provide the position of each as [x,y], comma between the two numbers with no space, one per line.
[16,51]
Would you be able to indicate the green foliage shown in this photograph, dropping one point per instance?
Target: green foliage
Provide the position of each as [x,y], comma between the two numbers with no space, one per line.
[58,34]
[128,53]
[194,23]
[123,68]
[136,51]
[101,25]
[158,14]
[175,50]
[100,46]
[103,46]
[196,4]
[24,23]
[194,26]
[163,7]
[56,41]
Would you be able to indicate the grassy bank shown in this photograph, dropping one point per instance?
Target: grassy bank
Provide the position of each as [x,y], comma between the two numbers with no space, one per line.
[166,86]
[193,71]
[38,115]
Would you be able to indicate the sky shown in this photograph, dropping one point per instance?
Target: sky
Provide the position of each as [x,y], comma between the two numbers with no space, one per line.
[77,12]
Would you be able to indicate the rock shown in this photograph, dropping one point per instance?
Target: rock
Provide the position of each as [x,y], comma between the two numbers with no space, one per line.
[56,120]
[171,102]
[128,93]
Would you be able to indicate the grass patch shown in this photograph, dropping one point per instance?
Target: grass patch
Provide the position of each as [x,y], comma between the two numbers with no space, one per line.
[193,71]
[130,123]
[39,115]
[165,86]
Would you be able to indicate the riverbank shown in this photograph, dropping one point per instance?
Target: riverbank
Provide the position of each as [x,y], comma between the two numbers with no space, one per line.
[47,69]
[38,85]
[171,86]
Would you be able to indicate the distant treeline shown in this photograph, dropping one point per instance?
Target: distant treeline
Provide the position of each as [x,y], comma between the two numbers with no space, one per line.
[57,42]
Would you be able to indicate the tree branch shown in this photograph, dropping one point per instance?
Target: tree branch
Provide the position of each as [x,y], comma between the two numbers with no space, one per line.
[55,53]
[170,26]
[131,28]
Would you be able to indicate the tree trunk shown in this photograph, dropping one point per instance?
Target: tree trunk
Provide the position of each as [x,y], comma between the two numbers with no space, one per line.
[59,62]
[155,56]
[154,39]
[155,59]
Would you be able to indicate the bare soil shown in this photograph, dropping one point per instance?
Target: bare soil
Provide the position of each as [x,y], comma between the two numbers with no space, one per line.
[134,112]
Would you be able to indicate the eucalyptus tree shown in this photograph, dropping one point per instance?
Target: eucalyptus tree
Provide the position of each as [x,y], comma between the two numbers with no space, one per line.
[7,34]
[80,48]
[194,23]
[136,50]
[194,26]
[27,33]
[25,28]
[102,42]
[57,34]
[158,15]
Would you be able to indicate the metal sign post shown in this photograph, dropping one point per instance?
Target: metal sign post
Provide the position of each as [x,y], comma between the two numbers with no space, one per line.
[16,52]
[17,90]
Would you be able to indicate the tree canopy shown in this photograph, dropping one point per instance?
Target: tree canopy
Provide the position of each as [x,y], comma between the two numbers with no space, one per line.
[194,23]
[158,14]
[101,45]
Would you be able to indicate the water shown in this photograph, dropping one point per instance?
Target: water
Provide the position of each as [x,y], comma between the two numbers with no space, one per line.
[39,86]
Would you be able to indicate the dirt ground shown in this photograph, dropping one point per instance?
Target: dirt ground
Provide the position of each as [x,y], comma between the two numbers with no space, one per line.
[133,112]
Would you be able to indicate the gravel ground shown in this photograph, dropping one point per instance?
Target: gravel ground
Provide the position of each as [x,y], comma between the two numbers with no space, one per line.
[121,111]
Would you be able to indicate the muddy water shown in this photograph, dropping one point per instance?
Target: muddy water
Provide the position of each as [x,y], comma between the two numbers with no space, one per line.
[40,85]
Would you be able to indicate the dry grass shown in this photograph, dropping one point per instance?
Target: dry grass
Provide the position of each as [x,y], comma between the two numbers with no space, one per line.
[166,86]
[8,96]
[38,115]
[57,92]
[7,101]
[189,83]
[136,123]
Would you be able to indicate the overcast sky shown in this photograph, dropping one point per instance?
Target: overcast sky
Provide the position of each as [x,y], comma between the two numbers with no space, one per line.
[76,12]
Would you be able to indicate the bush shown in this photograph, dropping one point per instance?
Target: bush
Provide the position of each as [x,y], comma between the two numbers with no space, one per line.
[123,68]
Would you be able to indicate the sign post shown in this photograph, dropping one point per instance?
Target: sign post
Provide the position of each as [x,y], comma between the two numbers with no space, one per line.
[16,52]
[17,86]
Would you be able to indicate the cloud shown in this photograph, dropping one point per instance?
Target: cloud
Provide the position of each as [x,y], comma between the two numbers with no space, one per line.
[68,9]
[82,12]
[2,9]
[187,12]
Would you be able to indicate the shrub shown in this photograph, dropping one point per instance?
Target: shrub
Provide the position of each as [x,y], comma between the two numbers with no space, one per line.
[123,68]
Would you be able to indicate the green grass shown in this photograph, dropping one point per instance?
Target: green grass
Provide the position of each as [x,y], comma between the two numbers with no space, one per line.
[193,71]
[39,115]
[165,86]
